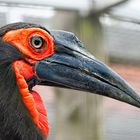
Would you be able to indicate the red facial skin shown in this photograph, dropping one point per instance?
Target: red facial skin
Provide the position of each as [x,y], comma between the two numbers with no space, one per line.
[20,38]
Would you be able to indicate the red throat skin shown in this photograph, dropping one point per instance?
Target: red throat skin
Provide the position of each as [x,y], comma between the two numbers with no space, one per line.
[20,38]
[33,101]
[42,115]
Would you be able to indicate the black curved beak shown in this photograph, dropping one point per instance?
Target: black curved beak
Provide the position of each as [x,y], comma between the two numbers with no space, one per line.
[73,67]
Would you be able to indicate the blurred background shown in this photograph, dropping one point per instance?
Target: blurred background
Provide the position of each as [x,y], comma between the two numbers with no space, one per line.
[110,30]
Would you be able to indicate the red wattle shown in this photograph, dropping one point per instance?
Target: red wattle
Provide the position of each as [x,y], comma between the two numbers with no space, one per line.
[42,115]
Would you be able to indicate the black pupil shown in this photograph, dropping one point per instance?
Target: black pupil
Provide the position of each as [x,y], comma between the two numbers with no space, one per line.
[37,42]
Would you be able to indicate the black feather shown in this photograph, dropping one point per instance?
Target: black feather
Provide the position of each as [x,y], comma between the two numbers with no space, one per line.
[15,120]
[19,25]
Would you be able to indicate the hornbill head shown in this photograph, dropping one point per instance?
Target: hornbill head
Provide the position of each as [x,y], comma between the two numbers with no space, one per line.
[36,55]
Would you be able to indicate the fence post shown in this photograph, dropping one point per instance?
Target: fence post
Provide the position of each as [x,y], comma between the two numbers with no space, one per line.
[79,115]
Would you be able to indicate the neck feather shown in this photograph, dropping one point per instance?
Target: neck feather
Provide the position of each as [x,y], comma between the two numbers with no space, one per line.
[15,120]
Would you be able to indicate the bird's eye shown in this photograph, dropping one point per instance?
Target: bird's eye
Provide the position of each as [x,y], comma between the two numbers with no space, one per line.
[37,42]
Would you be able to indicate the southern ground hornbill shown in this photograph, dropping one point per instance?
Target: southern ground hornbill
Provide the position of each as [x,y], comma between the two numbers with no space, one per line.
[31,55]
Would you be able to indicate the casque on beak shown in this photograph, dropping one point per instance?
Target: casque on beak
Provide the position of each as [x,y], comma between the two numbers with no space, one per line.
[71,66]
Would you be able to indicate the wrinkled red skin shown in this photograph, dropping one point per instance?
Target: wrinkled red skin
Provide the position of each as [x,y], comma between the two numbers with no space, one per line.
[20,39]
